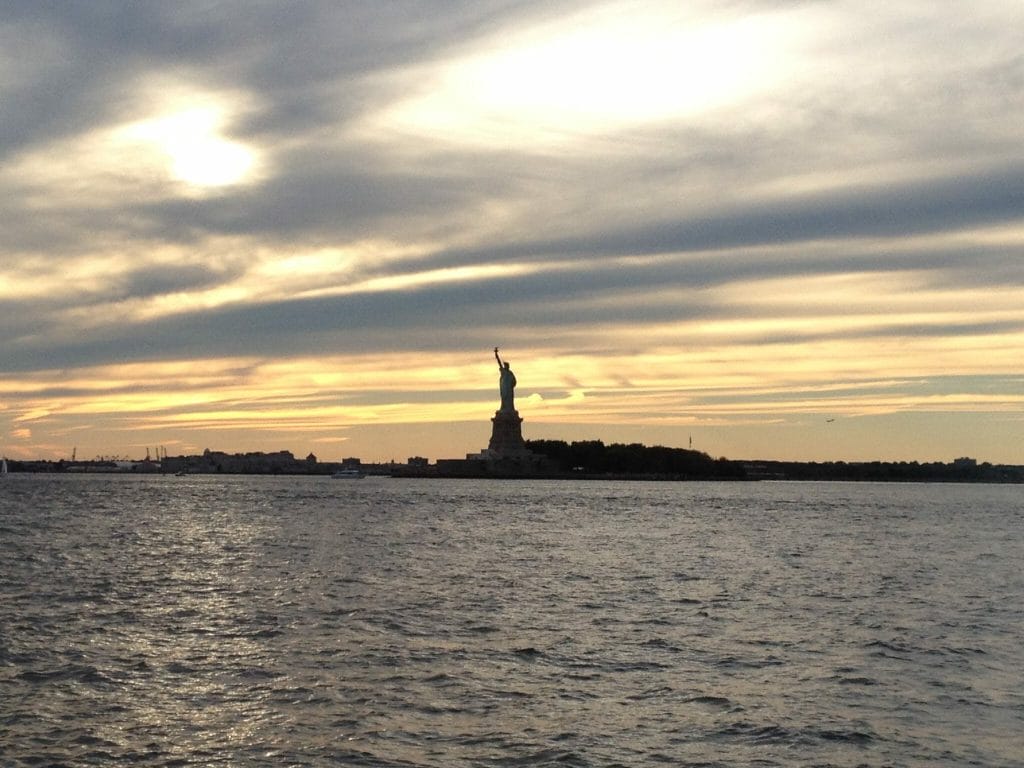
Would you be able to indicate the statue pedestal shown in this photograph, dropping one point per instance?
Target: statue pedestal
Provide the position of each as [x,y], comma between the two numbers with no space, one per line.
[505,456]
[507,436]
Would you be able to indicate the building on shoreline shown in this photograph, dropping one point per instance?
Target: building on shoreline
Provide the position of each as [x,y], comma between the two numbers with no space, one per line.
[254,463]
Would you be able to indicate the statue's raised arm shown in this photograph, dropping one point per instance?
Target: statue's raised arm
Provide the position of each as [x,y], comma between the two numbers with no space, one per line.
[496,357]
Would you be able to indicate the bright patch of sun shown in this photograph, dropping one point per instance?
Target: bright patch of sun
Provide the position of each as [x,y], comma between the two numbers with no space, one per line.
[195,148]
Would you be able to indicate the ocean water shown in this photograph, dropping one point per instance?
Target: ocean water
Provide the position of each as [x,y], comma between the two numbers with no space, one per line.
[244,621]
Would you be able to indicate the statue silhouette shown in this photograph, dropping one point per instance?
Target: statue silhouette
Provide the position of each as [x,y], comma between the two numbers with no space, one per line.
[506,385]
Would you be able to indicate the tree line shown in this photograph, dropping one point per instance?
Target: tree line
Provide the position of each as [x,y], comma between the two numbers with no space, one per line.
[593,457]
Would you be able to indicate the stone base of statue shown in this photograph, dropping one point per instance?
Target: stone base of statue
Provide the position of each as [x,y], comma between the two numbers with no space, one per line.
[507,436]
[505,456]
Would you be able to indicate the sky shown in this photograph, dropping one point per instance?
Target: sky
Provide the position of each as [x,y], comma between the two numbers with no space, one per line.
[769,229]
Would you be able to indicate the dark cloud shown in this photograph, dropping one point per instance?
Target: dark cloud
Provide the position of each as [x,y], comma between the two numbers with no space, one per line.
[537,306]
[78,59]
[160,280]
[910,208]
[304,63]
[306,205]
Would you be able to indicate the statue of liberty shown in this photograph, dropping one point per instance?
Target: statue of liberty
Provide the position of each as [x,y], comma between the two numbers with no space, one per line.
[506,385]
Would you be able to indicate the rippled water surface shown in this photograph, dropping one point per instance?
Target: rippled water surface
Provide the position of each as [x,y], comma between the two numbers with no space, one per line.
[308,621]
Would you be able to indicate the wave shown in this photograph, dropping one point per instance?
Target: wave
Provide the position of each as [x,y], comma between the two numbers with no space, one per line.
[778,734]
[77,673]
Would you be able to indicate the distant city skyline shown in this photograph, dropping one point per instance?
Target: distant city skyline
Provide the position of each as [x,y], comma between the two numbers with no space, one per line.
[786,230]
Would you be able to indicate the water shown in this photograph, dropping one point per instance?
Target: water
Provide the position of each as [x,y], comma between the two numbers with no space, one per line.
[307,621]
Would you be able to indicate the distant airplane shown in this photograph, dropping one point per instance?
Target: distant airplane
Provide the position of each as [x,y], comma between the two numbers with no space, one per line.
[829,421]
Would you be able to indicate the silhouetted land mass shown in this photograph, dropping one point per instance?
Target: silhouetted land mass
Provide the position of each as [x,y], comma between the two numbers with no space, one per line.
[207,463]
[958,471]
[586,459]
[594,458]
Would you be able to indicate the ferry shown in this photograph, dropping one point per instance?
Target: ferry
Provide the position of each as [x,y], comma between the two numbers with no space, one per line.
[348,473]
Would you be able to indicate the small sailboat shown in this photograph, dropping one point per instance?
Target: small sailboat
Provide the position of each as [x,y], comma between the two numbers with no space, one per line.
[3,467]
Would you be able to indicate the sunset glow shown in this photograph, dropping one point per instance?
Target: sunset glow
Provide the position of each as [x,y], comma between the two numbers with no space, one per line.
[782,231]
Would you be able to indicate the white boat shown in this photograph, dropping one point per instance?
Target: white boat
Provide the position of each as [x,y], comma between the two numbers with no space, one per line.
[348,473]
[3,467]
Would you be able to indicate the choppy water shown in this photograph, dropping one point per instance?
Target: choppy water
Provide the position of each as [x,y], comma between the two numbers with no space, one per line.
[297,621]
